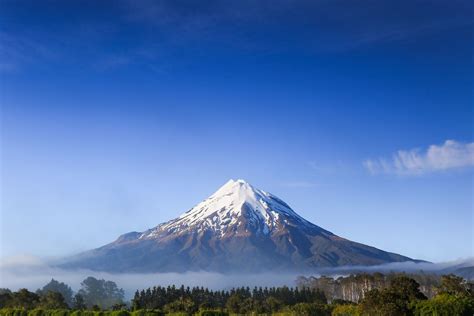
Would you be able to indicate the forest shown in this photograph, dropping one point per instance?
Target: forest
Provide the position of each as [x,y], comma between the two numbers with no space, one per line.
[361,294]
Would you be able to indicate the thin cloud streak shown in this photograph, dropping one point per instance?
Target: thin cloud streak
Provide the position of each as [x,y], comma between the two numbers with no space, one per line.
[449,155]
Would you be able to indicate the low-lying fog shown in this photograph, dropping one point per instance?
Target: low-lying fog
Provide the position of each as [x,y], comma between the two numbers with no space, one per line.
[33,273]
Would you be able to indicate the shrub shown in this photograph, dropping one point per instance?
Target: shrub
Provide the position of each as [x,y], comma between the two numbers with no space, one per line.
[311,309]
[212,313]
[120,313]
[445,305]
[346,310]
[147,312]
[36,312]
[13,312]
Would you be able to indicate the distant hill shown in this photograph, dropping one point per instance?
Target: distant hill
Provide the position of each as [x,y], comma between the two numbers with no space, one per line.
[466,272]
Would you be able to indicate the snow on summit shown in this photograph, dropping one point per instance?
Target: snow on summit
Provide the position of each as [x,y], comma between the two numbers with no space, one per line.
[238,228]
[232,204]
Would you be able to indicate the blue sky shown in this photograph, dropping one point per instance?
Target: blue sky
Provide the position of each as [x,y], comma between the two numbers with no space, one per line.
[117,116]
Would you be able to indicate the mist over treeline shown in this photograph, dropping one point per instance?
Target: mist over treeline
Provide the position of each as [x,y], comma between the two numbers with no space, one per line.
[59,295]
[349,289]
[33,273]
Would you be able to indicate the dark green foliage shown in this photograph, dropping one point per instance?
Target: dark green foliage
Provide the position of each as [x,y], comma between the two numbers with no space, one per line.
[212,313]
[59,287]
[402,296]
[52,300]
[456,297]
[119,313]
[346,310]
[454,285]
[238,300]
[272,304]
[35,312]
[183,304]
[119,306]
[78,302]
[100,293]
[235,303]
[445,305]
[394,300]
[145,312]
[23,299]
[311,309]
[5,299]
[13,312]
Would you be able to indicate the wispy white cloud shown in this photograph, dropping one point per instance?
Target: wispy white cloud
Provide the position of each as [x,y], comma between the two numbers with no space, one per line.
[449,155]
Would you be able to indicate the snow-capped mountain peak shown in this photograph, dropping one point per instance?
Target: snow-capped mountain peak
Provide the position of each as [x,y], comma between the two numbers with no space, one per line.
[238,228]
[232,206]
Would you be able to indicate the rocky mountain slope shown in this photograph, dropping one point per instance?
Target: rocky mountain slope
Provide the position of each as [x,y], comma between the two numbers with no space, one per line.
[237,229]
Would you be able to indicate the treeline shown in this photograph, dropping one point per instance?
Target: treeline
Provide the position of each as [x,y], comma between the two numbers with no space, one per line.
[241,300]
[393,294]
[401,296]
[94,294]
[352,287]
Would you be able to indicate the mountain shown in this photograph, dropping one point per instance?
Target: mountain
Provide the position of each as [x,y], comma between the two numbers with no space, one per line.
[237,229]
[463,268]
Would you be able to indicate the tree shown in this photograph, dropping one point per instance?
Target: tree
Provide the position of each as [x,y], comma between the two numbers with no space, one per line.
[100,292]
[346,310]
[181,305]
[78,302]
[406,288]
[52,300]
[272,304]
[394,300]
[119,306]
[454,285]
[95,308]
[234,303]
[59,287]
[378,302]
[5,298]
[24,299]
[311,309]
[446,305]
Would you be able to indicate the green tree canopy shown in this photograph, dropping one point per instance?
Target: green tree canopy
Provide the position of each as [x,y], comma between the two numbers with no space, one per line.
[24,299]
[59,287]
[394,300]
[52,300]
[102,293]
[446,305]
[235,303]
[454,285]
[78,302]
[181,305]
